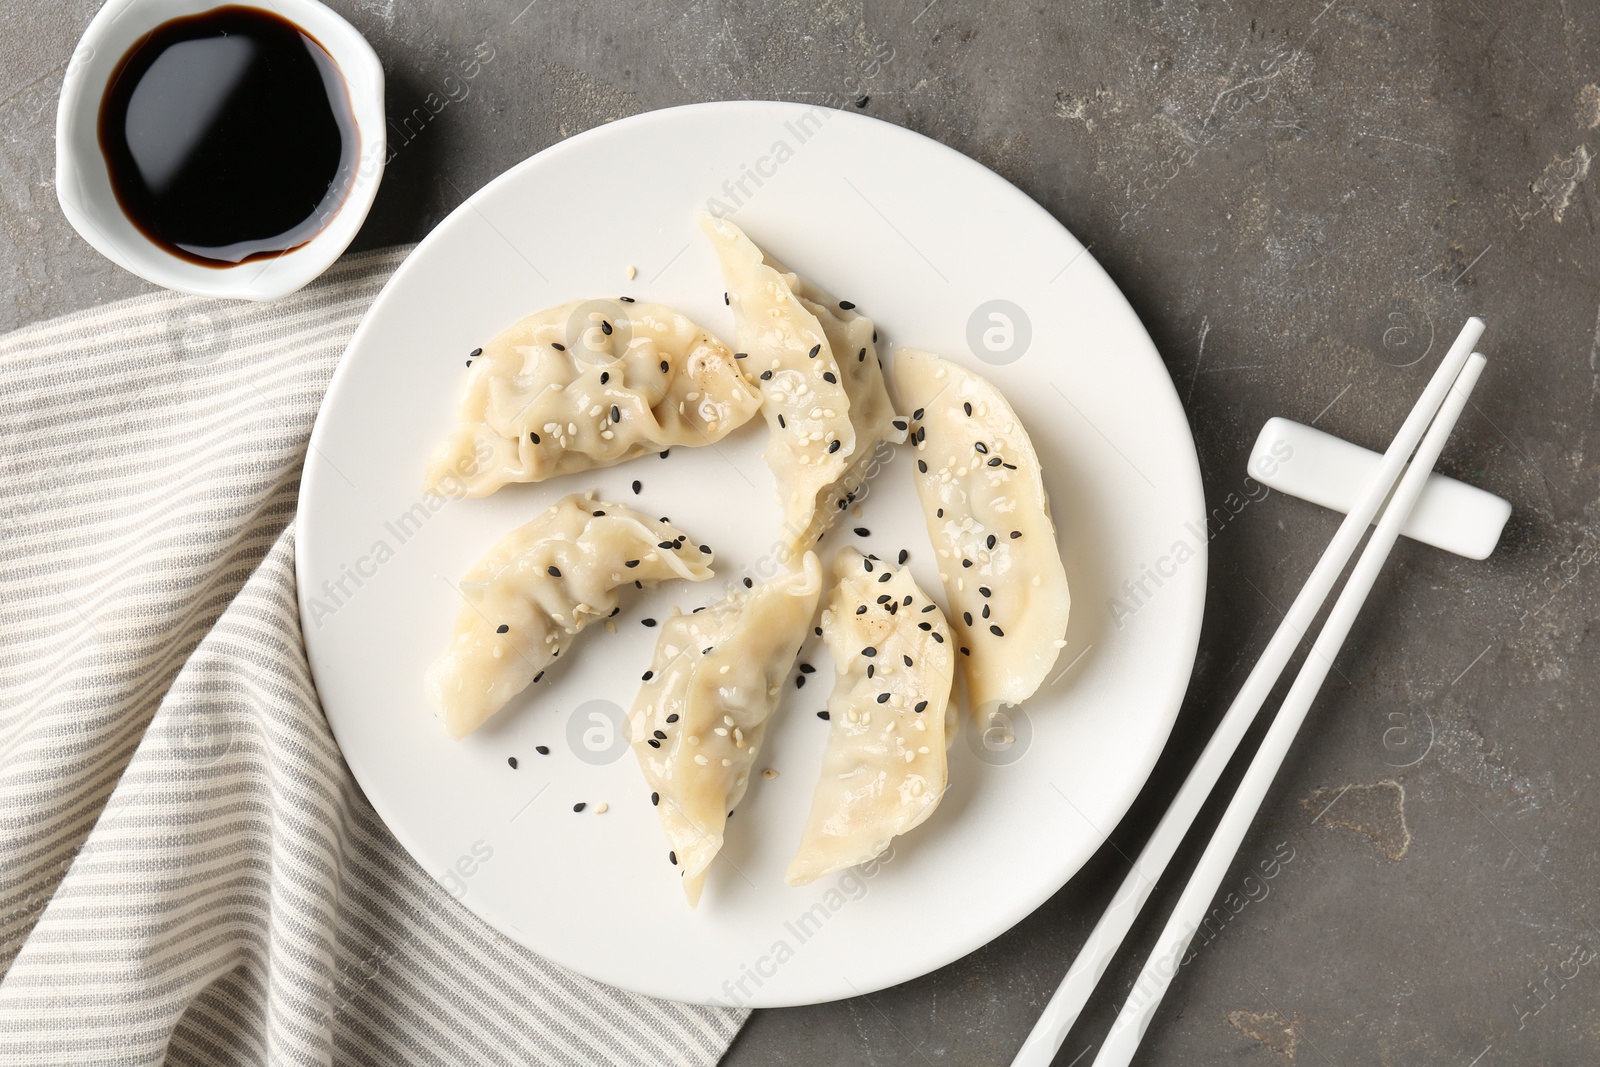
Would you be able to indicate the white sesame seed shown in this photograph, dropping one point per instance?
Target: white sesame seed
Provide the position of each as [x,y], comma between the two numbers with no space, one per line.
[702,761]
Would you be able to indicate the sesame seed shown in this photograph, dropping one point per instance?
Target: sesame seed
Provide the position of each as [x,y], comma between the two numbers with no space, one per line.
[597,514]
[668,545]
[862,610]
[885,576]
[833,446]
[929,608]
[605,327]
[655,798]
[740,355]
[558,347]
[846,305]
[871,670]
[533,437]
[922,705]
[636,488]
[899,424]
[980,446]
[901,558]
[800,681]
[966,651]
[869,651]
[994,461]
[862,531]
[861,357]
[966,563]
[554,572]
[725,298]
[626,299]
[665,366]
[648,622]
[922,466]
[924,625]
[652,742]
[475,353]
[673,717]
[867,563]
[986,611]
[660,735]
[605,376]
[984,590]
[631,563]
[673,856]
[940,513]
[917,414]
[822,715]
[781,424]
[884,599]
[579,806]
[939,637]
[996,630]
[828,377]
[538,676]
[616,413]
[818,630]
[967,408]
[665,452]
[990,541]
[647,675]
[966,617]
[511,761]
[907,660]
[748,584]
[766,376]
[543,750]
[806,668]
[883,698]
[814,350]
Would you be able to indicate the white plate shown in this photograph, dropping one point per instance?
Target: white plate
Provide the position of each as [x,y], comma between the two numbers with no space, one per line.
[921,237]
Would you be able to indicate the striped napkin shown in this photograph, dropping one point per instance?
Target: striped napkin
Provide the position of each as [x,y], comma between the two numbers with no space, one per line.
[188,872]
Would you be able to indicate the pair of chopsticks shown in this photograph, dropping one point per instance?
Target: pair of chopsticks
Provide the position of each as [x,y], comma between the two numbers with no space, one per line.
[1429,423]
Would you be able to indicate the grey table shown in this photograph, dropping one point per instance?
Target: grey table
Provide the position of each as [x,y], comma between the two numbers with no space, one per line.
[1302,201]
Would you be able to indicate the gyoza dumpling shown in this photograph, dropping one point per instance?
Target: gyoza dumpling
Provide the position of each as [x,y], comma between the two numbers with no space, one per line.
[989,520]
[789,357]
[583,385]
[537,588]
[854,341]
[699,718]
[883,771]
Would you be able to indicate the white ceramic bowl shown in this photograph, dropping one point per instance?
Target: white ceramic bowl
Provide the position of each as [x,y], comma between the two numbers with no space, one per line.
[83,183]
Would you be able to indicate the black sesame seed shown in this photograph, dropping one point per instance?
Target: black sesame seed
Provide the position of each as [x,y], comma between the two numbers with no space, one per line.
[966,651]
[558,347]
[631,563]
[741,355]
[924,625]
[502,628]
[673,856]
[874,336]
[648,622]
[867,563]
[655,798]
[579,806]
[938,637]
[870,670]
[781,423]
[469,362]
[862,531]
[806,668]
[626,299]
[986,611]
[818,630]
[542,750]
[984,590]
[833,446]
[597,514]
[538,676]
[940,513]
[614,612]
[800,681]
[766,376]
[846,305]
[827,376]
[980,446]
[990,541]
[1015,534]
[605,376]
[652,742]
[1009,466]
[967,408]
[665,452]
[822,715]
[861,357]
[929,608]
[814,350]
[605,327]
[917,414]
[922,434]
[616,413]
[647,675]
[673,717]
[885,576]
[994,461]
[894,609]
[907,660]
[922,705]
[922,466]
[862,610]
[883,698]
[996,630]
[660,735]
[668,545]
[636,488]
[725,298]
[748,584]
[511,761]
[533,437]
[665,366]
[555,572]
[966,616]
[475,353]
[899,424]
[884,599]
[869,651]
[966,563]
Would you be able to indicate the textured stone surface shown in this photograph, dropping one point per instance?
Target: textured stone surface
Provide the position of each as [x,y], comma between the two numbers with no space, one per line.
[1302,201]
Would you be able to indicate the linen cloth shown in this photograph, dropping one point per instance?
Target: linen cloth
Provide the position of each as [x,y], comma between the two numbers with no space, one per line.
[188,872]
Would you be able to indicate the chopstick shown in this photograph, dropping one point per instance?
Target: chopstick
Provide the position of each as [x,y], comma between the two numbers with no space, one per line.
[1196,898]
[1107,936]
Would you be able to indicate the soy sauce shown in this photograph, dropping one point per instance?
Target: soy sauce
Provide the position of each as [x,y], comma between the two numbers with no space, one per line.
[229,136]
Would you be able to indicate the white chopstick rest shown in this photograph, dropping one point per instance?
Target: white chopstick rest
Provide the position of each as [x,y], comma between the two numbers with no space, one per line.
[1307,463]
[1162,964]
[1103,941]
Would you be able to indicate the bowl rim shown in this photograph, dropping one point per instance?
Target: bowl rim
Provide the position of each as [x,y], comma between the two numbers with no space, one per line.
[83,186]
